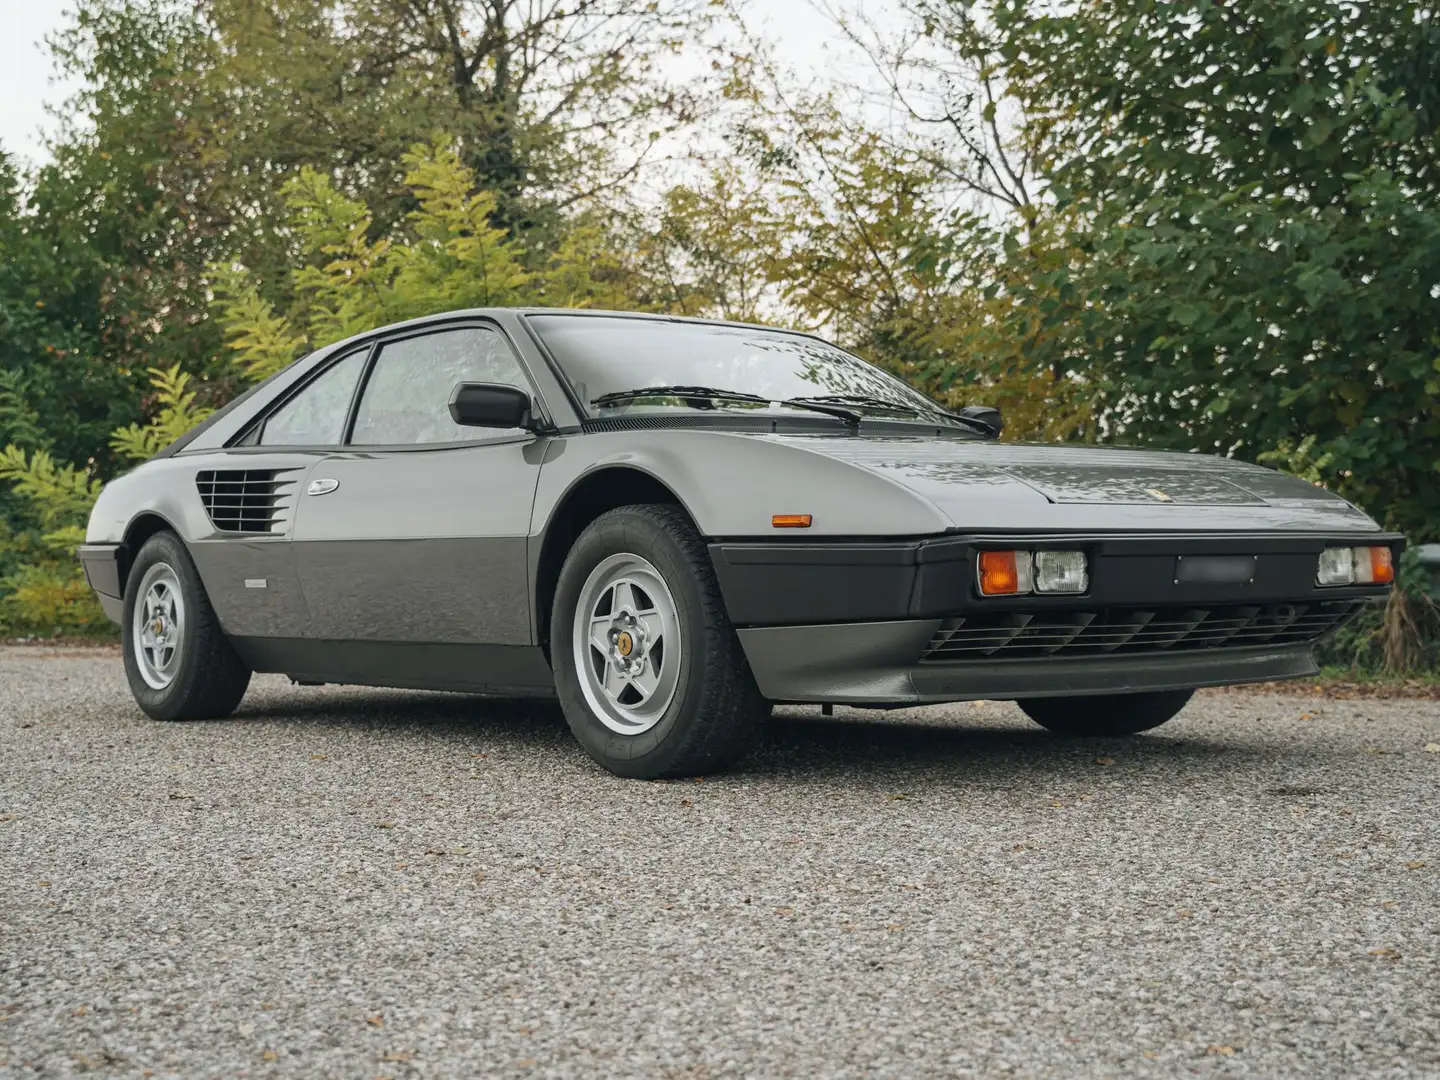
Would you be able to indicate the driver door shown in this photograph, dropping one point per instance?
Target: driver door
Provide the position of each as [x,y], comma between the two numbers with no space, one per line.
[414,533]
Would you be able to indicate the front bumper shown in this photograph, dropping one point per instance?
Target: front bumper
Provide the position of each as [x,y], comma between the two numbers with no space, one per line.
[903,622]
[877,664]
[104,566]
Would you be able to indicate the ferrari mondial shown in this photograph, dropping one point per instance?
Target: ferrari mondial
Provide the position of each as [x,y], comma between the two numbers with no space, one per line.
[674,523]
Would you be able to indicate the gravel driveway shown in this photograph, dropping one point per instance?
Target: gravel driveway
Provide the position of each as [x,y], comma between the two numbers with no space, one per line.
[363,883]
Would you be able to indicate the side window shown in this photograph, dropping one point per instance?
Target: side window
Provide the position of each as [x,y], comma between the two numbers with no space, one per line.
[407,399]
[316,415]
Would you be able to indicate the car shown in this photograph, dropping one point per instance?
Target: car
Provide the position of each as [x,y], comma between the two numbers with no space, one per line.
[673,524]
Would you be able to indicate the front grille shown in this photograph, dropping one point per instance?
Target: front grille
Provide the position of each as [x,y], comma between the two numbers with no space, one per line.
[247,500]
[1013,635]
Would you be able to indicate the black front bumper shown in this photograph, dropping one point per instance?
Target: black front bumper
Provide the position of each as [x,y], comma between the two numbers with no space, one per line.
[805,582]
[893,623]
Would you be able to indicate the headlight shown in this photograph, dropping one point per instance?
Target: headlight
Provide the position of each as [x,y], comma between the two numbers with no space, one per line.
[1337,567]
[1355,566]
[1061,572]
[1014,573]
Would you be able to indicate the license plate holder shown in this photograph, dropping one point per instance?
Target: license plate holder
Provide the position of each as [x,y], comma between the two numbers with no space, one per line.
[1214,569]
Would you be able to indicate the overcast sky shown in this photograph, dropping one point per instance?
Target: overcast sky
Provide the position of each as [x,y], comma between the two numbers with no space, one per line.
[800,36]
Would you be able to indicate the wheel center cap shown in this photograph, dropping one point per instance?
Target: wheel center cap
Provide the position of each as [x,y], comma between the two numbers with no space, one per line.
[625,644]
[159,627]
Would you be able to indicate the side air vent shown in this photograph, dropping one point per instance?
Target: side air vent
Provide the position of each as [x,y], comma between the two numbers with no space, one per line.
[247,500]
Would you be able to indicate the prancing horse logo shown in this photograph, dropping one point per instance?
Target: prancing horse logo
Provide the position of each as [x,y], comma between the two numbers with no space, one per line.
[1158,494]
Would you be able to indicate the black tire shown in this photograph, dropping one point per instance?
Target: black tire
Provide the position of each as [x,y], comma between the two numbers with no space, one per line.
[1106,714]
[210,678]
[715,715]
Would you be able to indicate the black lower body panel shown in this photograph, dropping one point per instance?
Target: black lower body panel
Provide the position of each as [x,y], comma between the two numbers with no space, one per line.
[880,664]
[460,667]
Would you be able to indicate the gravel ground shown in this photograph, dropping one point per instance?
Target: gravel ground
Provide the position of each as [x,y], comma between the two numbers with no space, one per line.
[362,883]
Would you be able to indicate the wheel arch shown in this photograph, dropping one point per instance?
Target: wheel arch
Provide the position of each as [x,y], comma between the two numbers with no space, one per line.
[141,528]
[590,495]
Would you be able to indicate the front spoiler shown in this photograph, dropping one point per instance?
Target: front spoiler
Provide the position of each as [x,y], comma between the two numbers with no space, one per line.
[875,664]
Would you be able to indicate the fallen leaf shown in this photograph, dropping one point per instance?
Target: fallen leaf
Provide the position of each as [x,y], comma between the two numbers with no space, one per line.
[1430,748]
[44,884]
[1416,865]
[319,757]
[7,817]
[686,802]
[1182,913]
[385,825]
[479,875]
[181,795]
[1307,716]
[785,911]
[397,1055]
[1388,954]
[898,796]
[479,755]
[270,1055]
[375,1021]
[1223,1051]
[435,851]
[895,927]
[525,1063]
[1104,761]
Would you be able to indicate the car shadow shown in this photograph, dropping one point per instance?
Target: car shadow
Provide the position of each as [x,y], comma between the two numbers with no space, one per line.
[796,742]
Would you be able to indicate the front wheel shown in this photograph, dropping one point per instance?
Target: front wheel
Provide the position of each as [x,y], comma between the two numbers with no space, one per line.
[649,671]
[1105,714]
[178,661]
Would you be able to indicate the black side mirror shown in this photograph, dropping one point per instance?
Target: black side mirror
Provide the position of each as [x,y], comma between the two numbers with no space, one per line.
[987,415]
[492,405]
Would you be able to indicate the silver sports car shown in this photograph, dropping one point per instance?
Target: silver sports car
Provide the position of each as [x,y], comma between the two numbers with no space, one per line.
[674,523]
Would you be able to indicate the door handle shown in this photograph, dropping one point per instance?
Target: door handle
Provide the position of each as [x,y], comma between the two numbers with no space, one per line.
[322,487]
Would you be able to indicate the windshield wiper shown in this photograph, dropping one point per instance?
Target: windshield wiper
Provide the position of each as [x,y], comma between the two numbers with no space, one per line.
[710,393]
[865,401]
[701,393]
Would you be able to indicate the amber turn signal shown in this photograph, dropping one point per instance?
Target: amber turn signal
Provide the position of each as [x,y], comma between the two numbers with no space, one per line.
[1004,573]
[1374,566]
[790,521]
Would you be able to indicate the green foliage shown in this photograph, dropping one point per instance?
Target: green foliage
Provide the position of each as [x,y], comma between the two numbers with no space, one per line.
[450,256]
[44,589]
[176,415]
[1251,204]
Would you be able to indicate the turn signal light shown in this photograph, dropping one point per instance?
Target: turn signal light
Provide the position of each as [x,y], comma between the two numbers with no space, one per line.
[1374,566]
[790,521]
[1005,573]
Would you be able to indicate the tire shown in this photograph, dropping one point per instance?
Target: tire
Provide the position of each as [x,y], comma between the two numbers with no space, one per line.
[200,677]
[700,710]
[1107,714]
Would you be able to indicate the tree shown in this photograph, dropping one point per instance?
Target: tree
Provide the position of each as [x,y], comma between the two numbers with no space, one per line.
[1250,199]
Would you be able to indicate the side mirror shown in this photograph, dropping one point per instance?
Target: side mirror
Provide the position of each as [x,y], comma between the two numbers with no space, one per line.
[490,405]
[987,415]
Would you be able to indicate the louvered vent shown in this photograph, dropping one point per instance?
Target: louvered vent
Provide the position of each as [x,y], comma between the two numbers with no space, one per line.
[248,500]
[1014,635]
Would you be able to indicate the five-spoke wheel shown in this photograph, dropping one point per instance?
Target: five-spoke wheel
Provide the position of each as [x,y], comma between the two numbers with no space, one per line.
[650,673]
[627,643]
[159,626]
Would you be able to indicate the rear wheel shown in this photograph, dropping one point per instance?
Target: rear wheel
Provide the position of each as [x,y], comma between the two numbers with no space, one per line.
[178,661]
[1106,714]
[649,671]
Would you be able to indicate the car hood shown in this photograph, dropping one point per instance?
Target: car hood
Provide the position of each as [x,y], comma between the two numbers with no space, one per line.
[1002,486]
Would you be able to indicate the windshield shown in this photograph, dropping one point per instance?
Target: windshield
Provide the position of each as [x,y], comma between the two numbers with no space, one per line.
[602,356]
